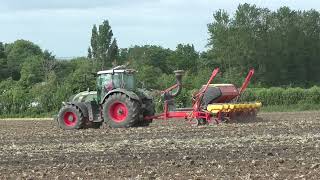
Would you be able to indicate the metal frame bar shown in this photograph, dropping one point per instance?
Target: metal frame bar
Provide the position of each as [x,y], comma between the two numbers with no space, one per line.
[195,113]
[246,81]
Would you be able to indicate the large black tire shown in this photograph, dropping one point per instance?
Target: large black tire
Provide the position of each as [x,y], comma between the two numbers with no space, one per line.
[96,125]
[119,111]
[149,110]
[70,117]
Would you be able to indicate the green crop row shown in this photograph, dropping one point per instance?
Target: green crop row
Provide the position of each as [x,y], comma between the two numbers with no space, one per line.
[282,96]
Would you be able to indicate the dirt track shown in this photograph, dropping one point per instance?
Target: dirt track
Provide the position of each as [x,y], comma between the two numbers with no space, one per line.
[277,145]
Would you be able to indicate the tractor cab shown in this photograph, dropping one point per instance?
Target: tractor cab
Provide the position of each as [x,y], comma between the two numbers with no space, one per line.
[115,78]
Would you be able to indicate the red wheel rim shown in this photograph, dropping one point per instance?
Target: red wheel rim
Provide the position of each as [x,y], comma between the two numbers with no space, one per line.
[118,112]
[70,119]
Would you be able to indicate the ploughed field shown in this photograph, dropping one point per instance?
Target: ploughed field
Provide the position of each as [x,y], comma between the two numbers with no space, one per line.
[276,146]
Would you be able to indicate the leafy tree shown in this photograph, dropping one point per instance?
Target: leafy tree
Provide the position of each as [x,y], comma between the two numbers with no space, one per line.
[89,53]
[147,76]
[2,53]
[49,63]
[155,56]
[113,51]
[3,63]
[94,42]
[17,53]
[184,57]
[45,94]
[104,48]
[63,69]
[81,77]
[123,56]
[280,45]
[6,100]
[104,41]
[31,71]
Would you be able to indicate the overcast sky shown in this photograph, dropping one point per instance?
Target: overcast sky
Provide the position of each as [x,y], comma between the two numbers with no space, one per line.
[64,26]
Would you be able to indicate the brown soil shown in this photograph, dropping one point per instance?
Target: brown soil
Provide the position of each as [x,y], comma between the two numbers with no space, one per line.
[275,146]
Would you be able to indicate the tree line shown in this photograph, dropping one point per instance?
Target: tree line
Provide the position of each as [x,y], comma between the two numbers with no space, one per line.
[282,45]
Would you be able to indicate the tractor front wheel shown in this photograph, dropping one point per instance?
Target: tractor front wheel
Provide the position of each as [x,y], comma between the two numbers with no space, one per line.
[70,117]
[119,111]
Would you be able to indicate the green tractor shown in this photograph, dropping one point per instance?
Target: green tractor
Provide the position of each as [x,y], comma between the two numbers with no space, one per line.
[117,102]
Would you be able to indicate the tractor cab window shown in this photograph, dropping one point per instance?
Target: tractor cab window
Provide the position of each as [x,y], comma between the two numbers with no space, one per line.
[123,80]
[129,81]
[116,78]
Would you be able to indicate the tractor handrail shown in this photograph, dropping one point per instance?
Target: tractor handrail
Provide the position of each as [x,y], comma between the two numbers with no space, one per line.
[246,81]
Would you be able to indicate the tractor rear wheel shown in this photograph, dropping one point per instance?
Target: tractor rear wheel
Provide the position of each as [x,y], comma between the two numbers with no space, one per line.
[70,117]
[119,111]
[149,110]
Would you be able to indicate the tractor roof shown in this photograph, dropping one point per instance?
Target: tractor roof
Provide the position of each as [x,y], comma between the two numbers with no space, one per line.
[118,69]
[111,71]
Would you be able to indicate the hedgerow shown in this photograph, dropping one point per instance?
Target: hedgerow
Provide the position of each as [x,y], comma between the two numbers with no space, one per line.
[282,96]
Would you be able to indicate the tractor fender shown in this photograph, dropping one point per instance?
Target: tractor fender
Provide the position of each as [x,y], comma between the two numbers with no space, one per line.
[130,94]
[81,105]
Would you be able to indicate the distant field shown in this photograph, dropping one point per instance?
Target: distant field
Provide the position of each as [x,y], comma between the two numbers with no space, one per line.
[275,146]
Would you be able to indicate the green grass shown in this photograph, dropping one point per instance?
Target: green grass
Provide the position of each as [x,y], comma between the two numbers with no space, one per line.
[290,108]
[27,115]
